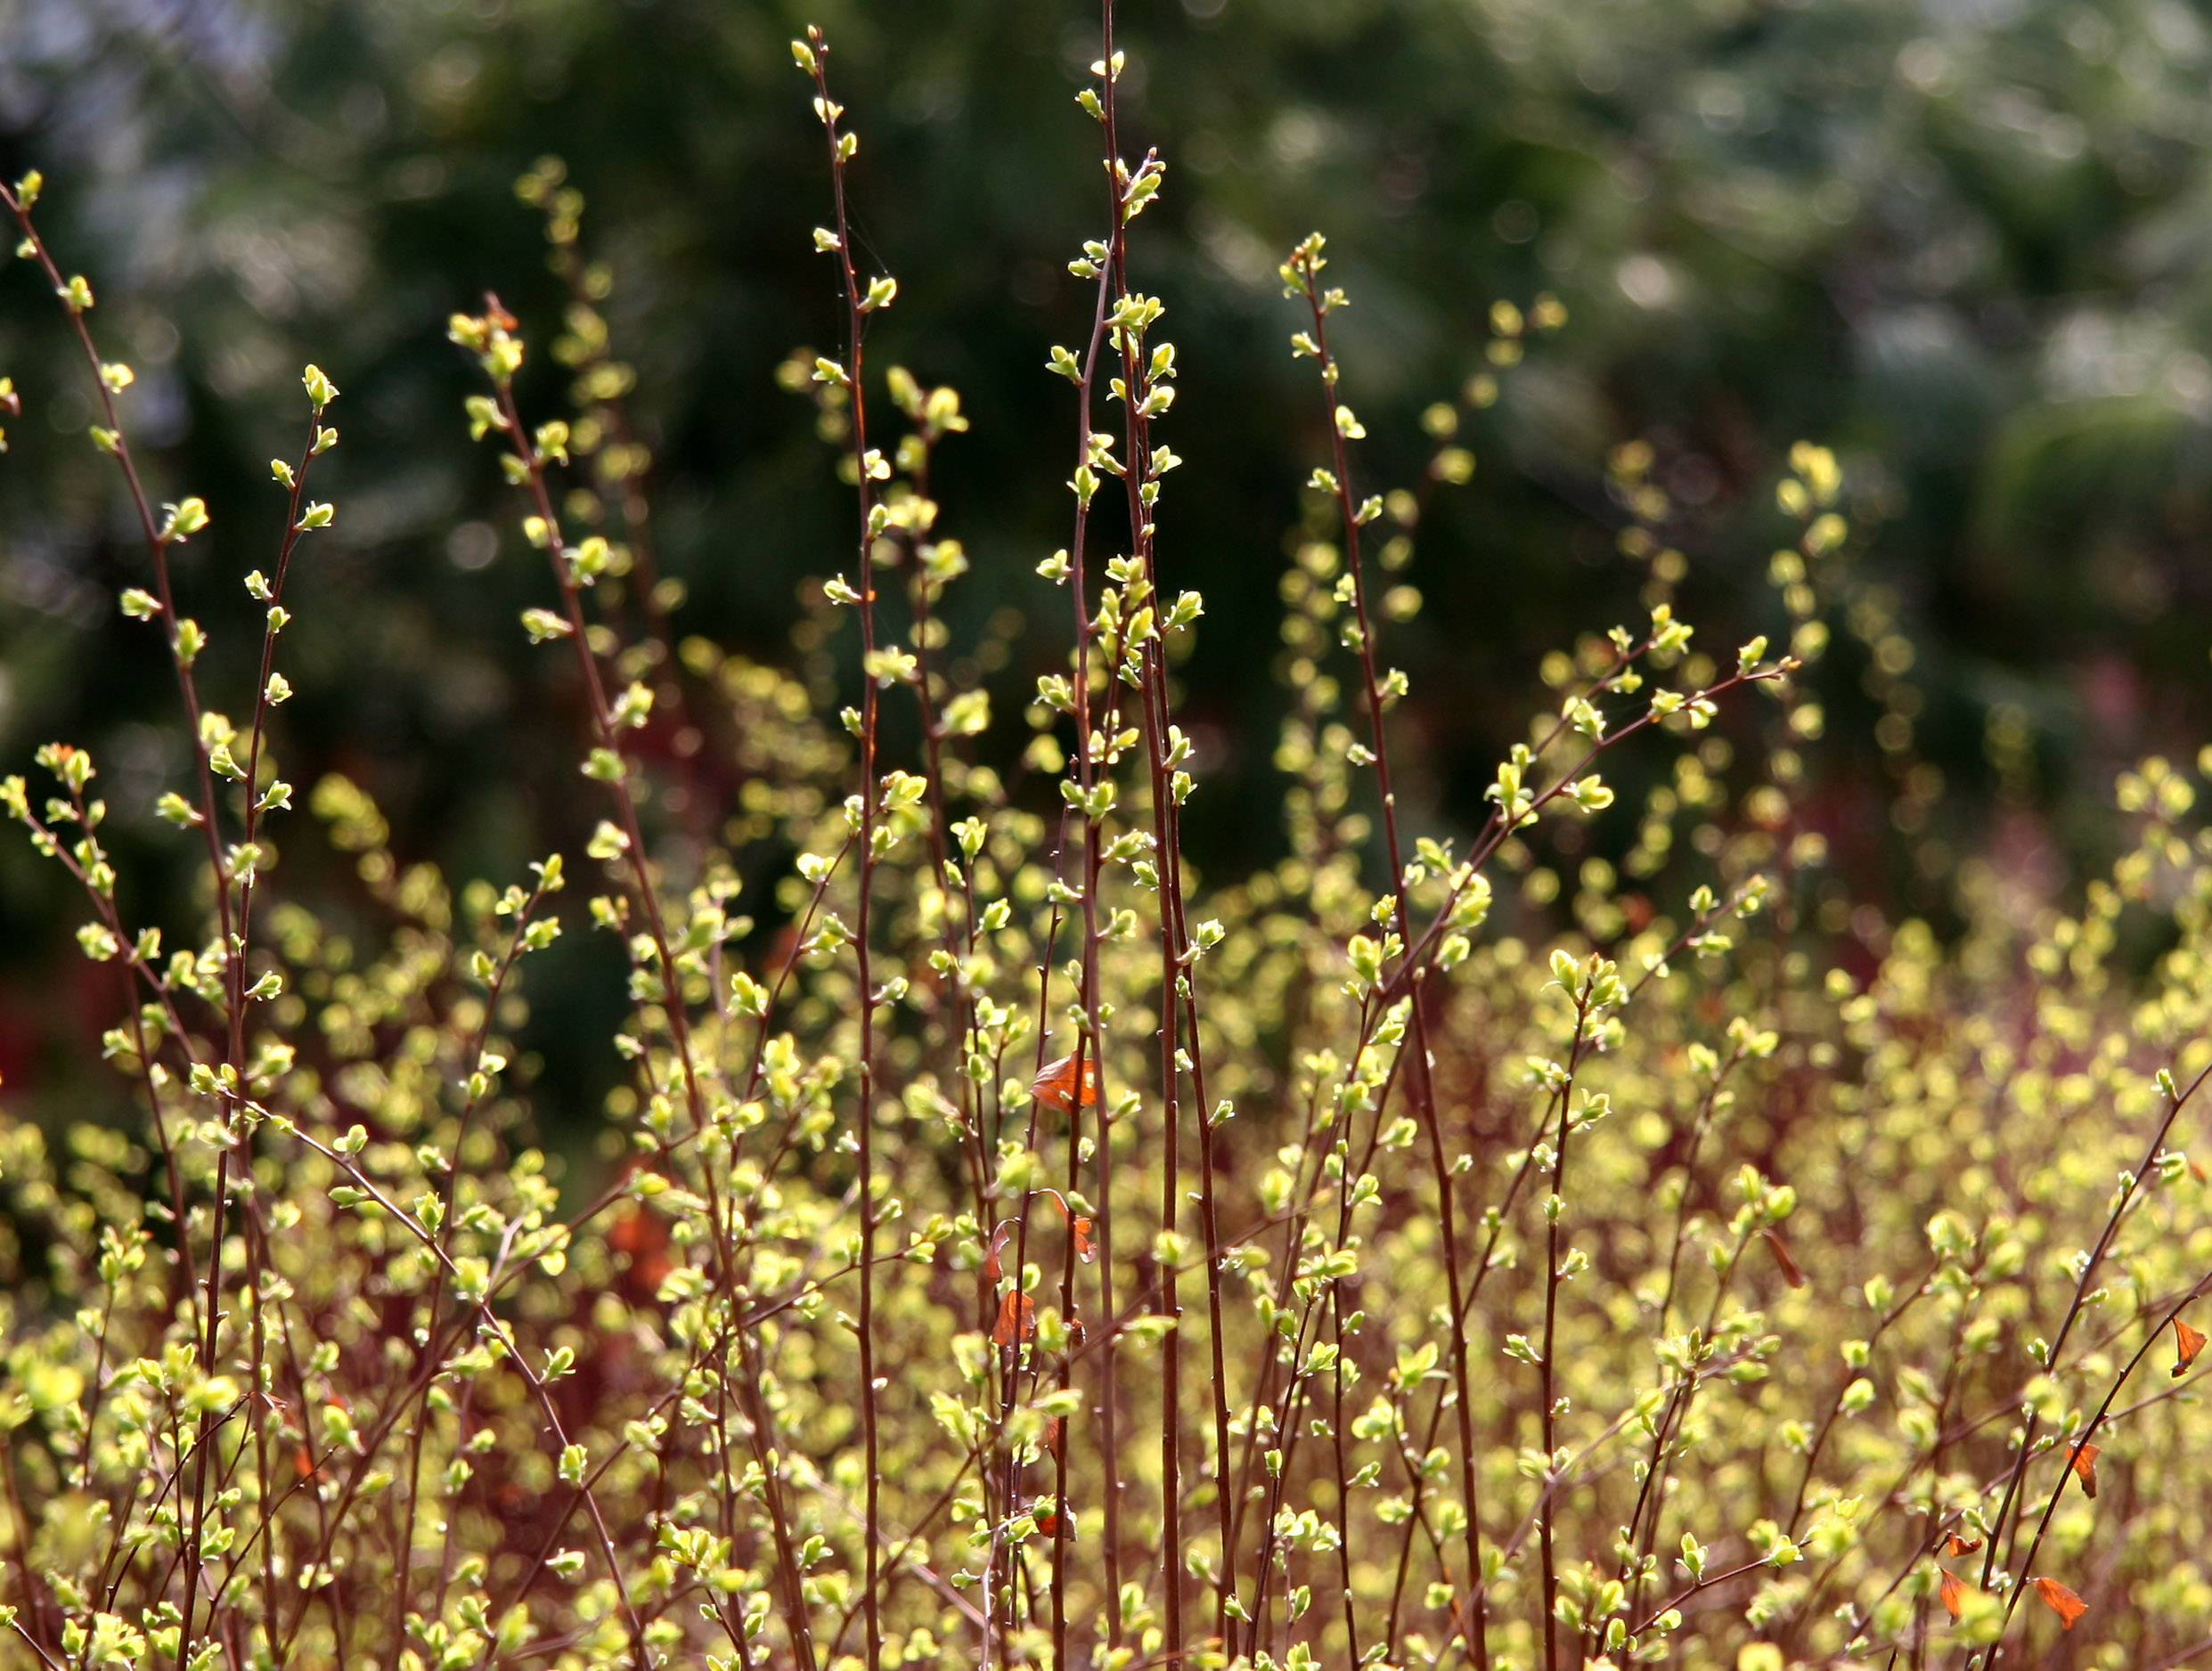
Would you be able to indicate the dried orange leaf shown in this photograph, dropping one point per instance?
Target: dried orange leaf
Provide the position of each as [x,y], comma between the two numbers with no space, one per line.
[1955,1546]
[1086,1249]
[1790,1273]
[992,1271]
[1054,1087]
[2084,1462]
[1953,1593]
[2061,1601]
[1017,1320]
[2187,1343]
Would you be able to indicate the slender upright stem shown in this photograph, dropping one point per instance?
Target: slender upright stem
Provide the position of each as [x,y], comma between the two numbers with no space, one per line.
[1177,994]
[864,583]
[1547,1412]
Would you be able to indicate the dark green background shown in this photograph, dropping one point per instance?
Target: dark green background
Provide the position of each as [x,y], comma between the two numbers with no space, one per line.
[1963,244]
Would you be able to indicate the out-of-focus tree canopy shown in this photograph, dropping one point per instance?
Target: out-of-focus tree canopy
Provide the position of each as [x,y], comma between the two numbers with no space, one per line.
[1961,242]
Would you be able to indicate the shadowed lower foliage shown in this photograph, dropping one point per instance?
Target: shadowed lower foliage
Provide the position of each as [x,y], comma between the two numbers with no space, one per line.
[1009,1246]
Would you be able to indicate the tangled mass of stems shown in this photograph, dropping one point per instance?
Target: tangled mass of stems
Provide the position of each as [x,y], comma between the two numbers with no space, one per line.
[1423,1251]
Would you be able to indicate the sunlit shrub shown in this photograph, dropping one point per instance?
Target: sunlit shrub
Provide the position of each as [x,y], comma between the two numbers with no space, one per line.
[1015,1249]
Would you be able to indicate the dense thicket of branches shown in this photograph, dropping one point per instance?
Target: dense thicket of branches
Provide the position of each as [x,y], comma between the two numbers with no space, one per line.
[1587,1235]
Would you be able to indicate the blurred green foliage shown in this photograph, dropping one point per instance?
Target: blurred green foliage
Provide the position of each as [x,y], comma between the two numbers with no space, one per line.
[1962,243]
